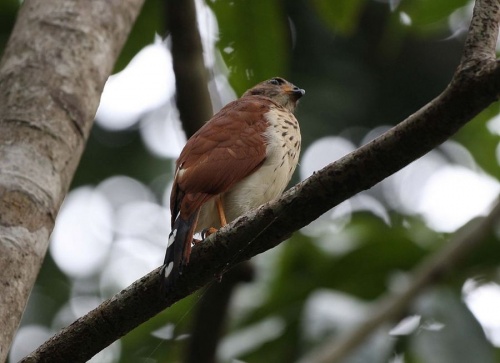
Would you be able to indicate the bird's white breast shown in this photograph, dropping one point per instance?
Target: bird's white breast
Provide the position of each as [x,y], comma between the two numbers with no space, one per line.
[270,179]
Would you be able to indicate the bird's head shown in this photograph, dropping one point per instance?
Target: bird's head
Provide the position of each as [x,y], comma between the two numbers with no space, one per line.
[279,90]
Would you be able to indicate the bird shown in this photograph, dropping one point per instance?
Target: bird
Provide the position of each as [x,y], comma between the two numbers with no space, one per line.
[243,157]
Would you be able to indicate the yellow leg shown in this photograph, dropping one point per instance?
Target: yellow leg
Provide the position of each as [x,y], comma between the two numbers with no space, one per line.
[222,218]
[220,210]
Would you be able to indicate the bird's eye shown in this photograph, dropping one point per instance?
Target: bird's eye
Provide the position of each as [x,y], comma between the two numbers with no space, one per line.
[276,81]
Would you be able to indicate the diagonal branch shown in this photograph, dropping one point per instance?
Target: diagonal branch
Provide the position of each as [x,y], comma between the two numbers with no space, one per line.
[473,88]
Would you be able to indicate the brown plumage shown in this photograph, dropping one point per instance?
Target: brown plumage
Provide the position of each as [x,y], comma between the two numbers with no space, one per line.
[243,157]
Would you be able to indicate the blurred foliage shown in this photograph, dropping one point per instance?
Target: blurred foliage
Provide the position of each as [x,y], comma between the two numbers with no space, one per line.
[361,67]
[342,16]
[151,21]
[253,40]
[459,330]
[483,152]
[427,12]
[8,12]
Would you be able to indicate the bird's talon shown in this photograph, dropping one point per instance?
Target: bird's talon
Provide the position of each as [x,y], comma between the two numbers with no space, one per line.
[207,232]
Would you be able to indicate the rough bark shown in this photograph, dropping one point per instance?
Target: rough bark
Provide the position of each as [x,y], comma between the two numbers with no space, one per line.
[52,73]
[475,85]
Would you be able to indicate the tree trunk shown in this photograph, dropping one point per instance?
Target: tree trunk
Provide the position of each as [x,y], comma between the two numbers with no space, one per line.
[52,73]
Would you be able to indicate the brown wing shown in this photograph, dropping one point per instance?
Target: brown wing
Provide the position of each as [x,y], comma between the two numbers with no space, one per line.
[224,151]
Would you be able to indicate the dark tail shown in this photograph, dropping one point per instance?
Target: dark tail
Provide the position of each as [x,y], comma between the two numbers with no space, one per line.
[178,248]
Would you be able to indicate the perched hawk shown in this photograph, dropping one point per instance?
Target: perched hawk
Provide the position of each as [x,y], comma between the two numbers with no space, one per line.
[242,158]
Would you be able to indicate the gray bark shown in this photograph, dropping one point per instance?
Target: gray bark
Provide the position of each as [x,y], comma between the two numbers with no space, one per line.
[52,73]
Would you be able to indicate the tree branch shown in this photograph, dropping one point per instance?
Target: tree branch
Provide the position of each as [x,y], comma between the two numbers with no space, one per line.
[52,73]
[211,313]
[428,272]
[480,44]
[472,89]
[193,99]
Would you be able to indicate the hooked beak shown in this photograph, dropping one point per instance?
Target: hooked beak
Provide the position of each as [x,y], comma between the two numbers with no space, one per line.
[296,92]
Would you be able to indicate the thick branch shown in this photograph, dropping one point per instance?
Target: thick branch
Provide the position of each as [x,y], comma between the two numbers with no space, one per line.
[481,40]
[428,272]
[51,75]
[471,91]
